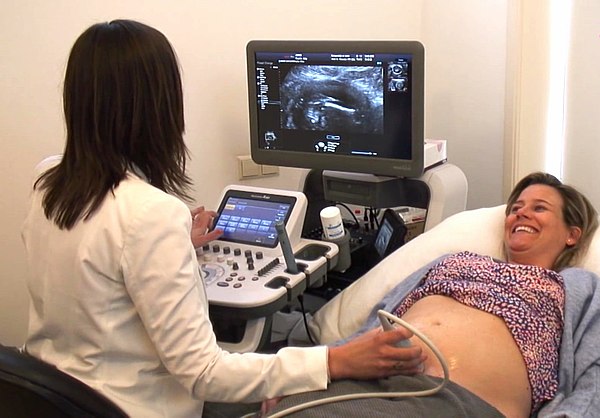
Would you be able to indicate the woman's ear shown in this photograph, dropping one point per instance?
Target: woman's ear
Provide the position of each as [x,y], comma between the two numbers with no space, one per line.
[574,236]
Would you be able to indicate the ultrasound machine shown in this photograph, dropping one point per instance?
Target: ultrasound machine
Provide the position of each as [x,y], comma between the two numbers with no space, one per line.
[255,269]
[352,113]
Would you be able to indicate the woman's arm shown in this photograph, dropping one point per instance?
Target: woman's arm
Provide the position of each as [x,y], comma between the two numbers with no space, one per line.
[162,277]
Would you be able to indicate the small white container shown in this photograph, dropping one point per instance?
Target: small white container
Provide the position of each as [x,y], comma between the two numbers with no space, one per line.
[331,219]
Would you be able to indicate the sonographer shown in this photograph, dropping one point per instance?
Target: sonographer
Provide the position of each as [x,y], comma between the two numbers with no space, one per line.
[117,298]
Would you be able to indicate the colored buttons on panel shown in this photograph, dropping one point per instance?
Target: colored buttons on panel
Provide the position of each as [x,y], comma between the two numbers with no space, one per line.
[237,268]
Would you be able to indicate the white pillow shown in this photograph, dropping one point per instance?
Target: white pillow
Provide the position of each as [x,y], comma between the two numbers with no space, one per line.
[479,230]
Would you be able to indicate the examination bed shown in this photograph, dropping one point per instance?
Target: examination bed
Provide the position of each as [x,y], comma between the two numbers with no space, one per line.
[481,231]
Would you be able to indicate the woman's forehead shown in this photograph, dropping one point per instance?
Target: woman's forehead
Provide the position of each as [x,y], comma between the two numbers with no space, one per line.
[541,193]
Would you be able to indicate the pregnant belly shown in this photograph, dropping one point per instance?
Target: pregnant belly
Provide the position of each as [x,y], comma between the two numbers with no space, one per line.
[481,354]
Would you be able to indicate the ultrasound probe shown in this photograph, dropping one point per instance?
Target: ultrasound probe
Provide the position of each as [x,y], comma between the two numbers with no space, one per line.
[388,324]
[286,248]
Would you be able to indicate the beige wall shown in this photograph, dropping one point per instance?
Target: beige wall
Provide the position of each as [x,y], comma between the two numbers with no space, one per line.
[529,58]
[465,42]
[582,132]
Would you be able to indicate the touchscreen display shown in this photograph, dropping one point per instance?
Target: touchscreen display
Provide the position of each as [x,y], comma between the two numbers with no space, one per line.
[249,218]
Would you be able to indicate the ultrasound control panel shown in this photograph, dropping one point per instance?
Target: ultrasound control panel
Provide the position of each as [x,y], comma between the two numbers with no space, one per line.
[257,282]
[245,272]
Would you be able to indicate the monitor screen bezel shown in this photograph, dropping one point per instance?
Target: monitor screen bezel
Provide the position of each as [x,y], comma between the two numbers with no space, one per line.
[410,167]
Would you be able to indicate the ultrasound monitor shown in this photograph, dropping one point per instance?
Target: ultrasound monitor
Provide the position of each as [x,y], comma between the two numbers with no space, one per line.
[354,106]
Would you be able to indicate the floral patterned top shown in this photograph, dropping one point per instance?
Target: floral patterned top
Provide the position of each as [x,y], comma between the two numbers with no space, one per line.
[529,299]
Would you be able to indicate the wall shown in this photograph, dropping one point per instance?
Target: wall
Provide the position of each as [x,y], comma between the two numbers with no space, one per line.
[582,135]
[464,40]
[466,69]
[528,78]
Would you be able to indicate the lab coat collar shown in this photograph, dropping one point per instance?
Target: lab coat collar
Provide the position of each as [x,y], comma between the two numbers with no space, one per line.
[138,172]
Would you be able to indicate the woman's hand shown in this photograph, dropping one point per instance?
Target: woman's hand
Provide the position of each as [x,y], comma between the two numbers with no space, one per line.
[374,355]
[267,405]
[201,223]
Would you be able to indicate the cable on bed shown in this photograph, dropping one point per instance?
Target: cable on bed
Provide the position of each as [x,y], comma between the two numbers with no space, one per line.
[352,396]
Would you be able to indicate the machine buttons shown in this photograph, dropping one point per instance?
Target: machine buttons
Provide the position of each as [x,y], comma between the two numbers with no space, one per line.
[268,267]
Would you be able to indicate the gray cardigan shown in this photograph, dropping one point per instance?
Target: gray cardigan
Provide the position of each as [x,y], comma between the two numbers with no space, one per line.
[579,365]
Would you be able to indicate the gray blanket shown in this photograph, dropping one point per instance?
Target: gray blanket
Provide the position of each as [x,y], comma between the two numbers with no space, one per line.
[452,401]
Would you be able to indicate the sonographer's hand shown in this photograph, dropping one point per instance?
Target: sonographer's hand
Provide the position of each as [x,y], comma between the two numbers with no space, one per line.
[374,355]
[267,405]
[201,223]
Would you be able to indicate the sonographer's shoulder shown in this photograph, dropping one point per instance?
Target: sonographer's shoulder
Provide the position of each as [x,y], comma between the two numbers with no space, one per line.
[134,193]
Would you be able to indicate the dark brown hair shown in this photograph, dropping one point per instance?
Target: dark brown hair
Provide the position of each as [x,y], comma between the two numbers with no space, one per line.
[123,106]
[577,211]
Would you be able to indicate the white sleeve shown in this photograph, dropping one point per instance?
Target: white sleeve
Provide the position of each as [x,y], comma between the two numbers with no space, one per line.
[162,278]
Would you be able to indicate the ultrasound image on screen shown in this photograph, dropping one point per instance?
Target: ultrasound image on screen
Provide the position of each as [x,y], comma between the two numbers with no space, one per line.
[333,98]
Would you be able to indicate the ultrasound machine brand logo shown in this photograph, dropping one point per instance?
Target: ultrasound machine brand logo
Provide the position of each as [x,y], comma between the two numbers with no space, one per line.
[261,196]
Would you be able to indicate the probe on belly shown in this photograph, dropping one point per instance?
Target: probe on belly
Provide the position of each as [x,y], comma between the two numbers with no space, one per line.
[428,392]
[388,325]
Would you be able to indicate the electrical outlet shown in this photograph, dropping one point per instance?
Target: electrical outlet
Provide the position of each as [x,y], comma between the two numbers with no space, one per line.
[268,170]
[247,167]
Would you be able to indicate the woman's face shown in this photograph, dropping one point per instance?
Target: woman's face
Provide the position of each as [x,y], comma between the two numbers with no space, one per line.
[534,231]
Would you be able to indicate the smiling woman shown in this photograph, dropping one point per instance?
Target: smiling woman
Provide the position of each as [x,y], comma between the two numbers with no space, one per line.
[500,324]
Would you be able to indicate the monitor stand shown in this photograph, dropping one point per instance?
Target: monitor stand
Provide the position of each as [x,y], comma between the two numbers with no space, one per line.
[441,191]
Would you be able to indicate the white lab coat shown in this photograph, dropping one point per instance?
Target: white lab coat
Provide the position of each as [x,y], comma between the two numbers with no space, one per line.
[118,302]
